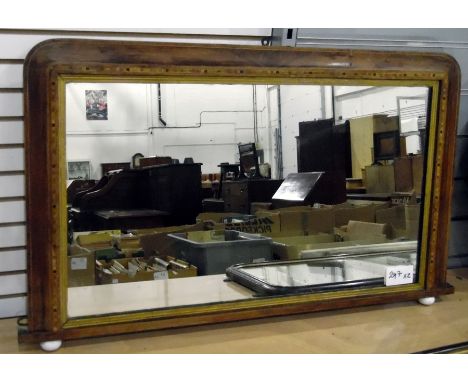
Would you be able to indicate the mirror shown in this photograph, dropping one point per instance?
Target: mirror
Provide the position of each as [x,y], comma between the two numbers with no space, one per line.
[178,176]
[344,182]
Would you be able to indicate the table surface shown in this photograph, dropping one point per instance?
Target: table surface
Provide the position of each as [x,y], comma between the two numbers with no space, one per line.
[154,294]
[391,328]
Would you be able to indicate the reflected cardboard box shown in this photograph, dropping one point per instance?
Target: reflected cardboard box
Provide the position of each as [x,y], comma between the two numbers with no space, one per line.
[359,230]
[178,268]
[304,220]
[412,212]
[121,271]
[404,175]
[359,213]
[404,219]
[262,224]
[402,198]
[418,171]
[100,243]
[356,211]
[172,229]
[307,220]
[380,179]
[354,185]
[355,233]
[290,221]
[80,266]
[96,239]
[135,270]
[127,242]
[129,245]
[395,217]
[409,173]
[290,247]
[158,244]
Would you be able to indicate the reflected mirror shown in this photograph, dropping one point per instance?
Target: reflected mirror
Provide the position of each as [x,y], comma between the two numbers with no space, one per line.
[311,188]
[360,267]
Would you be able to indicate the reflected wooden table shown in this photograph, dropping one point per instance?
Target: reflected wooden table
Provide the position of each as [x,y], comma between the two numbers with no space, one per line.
[126,219]
[155,294]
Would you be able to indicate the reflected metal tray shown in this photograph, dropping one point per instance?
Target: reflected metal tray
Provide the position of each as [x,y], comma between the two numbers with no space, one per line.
[247,275]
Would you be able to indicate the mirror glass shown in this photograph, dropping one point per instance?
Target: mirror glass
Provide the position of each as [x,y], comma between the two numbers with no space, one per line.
[364,266]
[169,185]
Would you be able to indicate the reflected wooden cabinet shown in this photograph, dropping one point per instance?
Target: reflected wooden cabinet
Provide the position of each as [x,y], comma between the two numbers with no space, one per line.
[53,64]
[176,189]
[362,132]
[141,198]
[239,194]
[322,146]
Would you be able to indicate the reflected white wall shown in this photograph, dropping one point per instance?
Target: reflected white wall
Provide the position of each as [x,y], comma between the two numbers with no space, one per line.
[116,139]
[207,122]
[204,122]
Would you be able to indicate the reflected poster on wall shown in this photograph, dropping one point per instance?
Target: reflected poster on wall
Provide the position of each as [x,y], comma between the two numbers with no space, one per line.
[79,170]
[96,104]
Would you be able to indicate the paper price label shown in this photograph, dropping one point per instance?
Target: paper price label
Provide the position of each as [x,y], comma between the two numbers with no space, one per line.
[398,275]
[79,263]
[163,275]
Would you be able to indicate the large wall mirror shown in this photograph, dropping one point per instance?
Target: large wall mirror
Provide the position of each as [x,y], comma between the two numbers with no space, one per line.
[175,185]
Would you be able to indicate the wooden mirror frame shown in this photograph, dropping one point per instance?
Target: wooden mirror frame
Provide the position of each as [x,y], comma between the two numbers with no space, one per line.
[53,63]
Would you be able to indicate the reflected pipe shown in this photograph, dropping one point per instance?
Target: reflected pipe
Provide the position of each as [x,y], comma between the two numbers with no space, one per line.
[164,123]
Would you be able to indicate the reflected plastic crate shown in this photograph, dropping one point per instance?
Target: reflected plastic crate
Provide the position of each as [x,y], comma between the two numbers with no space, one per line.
[214,251]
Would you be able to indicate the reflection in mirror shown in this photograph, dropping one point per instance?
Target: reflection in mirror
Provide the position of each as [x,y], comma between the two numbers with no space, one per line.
[342,267]
[169,185]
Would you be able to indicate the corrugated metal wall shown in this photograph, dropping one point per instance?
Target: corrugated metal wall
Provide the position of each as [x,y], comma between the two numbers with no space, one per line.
[451,41]
[14,46]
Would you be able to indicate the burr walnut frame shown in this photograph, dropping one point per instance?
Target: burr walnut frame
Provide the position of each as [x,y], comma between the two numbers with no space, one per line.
[53,63]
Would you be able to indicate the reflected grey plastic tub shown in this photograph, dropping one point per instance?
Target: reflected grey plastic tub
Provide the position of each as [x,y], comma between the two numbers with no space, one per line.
[225,249]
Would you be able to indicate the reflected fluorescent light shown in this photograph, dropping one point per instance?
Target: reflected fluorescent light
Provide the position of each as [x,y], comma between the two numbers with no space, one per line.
[341,64]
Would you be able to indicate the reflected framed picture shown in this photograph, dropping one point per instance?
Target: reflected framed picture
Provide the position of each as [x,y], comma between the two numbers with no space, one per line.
[96,104]
[79,170]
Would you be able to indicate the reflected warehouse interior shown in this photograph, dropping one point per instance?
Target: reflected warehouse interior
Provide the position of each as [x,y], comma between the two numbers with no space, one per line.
[281,189]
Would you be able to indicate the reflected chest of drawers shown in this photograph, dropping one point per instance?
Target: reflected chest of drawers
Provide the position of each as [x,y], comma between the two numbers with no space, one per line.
[238,195]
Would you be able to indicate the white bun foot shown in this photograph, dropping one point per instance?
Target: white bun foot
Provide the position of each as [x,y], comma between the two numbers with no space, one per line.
[426,300]
[51,345]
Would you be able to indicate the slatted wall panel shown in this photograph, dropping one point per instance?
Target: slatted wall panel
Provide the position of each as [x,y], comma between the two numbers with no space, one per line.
[451,41]
[14,46]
